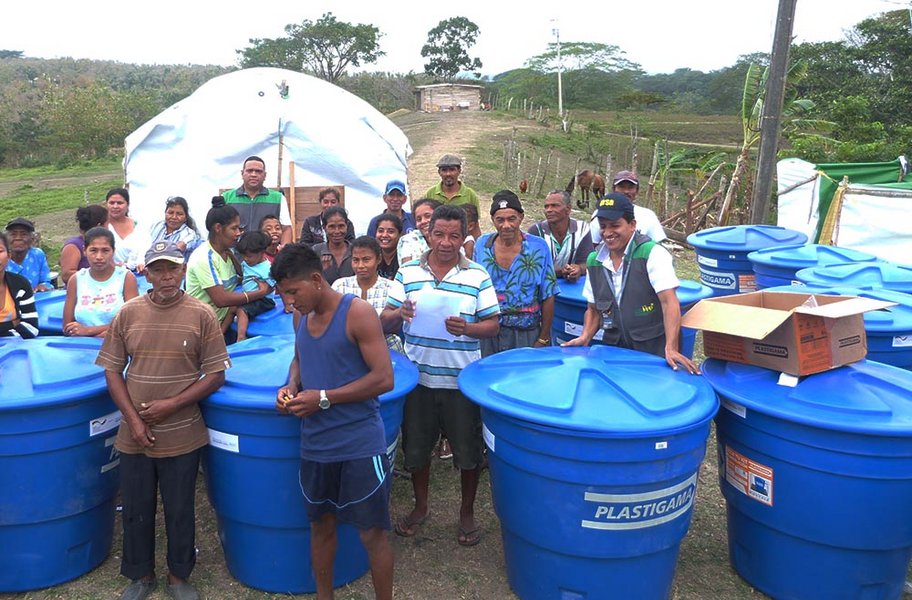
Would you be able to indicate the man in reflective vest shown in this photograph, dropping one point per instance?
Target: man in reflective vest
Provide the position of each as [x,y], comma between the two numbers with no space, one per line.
[630,288]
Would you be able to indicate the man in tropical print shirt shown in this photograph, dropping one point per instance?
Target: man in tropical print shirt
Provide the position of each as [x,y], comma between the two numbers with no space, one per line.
[522,271]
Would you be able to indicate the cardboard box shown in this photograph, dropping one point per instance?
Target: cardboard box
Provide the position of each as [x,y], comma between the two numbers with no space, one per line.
[799,334]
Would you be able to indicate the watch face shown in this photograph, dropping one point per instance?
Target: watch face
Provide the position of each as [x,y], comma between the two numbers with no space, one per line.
[324,402]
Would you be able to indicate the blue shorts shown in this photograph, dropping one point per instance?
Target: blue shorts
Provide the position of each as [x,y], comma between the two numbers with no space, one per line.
[356,491]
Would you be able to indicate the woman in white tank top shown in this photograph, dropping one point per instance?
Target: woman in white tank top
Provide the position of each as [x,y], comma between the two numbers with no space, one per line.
[100,290]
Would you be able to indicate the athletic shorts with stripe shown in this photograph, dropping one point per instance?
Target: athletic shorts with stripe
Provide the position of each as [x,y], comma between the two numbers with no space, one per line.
[356,491]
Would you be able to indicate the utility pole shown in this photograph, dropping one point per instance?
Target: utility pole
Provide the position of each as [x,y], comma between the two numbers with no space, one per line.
[772,111]
[560,89]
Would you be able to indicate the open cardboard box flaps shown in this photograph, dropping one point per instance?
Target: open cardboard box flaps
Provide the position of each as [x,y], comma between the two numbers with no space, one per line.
[787,332]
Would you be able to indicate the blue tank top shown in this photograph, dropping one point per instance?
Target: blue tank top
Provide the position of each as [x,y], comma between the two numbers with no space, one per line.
[344,431]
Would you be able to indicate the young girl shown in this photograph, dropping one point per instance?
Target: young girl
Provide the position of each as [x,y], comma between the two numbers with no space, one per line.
[389,230]
[474,231]
[100,290]
[252,249]
[271,226]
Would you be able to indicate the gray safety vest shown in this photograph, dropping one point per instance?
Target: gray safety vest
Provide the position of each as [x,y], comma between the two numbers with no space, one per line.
[636,322]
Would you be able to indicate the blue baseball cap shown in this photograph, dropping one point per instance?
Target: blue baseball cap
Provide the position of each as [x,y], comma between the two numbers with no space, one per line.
[395,184]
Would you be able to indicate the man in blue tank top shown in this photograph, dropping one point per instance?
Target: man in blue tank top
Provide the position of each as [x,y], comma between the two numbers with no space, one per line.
[341,365]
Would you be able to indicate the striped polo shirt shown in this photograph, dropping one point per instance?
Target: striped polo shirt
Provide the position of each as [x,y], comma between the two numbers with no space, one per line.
[440,357]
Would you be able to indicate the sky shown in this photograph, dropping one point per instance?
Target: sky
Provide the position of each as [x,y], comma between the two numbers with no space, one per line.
[660,35]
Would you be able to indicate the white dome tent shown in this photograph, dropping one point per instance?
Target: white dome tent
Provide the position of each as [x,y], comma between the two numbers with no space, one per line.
[196,147]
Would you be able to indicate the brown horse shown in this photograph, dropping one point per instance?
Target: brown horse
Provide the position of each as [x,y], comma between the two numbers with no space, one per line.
[587,180]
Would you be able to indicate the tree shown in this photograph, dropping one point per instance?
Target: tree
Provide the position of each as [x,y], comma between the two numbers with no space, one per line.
[87,120]
[793,123]
[727,86]
[447,48]
[325,48]
[578,56]
[883,46]
[10,54]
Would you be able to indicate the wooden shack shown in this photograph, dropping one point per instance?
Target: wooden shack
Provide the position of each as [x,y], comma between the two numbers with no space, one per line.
[448,96]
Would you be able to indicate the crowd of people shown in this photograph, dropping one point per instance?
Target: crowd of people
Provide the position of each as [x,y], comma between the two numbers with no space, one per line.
[426,283]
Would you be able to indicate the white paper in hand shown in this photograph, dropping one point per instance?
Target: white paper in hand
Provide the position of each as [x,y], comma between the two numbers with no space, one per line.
[432,307]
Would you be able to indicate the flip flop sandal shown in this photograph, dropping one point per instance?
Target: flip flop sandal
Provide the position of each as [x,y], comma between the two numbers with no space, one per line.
[408,528]
[469,538]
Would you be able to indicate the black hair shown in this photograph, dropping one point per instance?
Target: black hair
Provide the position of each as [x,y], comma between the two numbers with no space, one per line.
[118,192]
[332,211]
[91,216]
[396,221]
[266,218]
[252,242]
[221,213]
[294,261]
[366,241]
[429,201]
[4,240]
[471,212]
[327,191]
[448,212]
[180,201]
[99,232]
[256,158]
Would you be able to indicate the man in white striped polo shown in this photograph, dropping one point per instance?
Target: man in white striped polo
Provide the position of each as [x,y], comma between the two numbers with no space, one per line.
[447,303]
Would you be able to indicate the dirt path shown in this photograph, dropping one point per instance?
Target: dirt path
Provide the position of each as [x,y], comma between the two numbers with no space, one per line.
[435,134]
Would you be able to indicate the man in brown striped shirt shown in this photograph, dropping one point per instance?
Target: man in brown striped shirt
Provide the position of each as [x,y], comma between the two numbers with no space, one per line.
[177,357]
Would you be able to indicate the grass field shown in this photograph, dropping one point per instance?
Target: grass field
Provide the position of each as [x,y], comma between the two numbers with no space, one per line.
[50,197]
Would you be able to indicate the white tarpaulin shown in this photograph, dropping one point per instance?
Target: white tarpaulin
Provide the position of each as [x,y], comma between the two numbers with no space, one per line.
[871,218]
[798,188]
[876,220]
[197,146]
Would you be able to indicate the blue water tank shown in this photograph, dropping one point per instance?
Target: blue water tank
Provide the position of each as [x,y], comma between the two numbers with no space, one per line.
[50,312]
[722,254]
[271,322]
[594,454]
[817,479]
[58,467]
[570,309]
[252,465]
[886,276]
[888,331]
[142,284]
[777,265]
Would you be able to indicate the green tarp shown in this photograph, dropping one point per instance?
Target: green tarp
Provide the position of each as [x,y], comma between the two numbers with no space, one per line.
[888,174]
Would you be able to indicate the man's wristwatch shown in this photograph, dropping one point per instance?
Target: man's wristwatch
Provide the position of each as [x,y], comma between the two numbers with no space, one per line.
[324,401]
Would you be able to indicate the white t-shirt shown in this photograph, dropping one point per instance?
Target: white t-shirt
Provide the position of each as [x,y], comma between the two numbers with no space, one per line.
[659,269]
[647,223]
